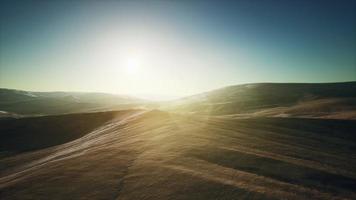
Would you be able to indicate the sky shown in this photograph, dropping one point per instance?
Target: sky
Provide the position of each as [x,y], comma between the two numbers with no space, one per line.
[173,48]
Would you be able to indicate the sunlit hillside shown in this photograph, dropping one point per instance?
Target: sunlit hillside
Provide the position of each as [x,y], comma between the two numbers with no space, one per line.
[327,100]
[177,100]
[159,155]
[259,141]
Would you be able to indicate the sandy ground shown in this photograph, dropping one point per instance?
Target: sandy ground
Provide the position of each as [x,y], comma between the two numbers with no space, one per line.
[159,155]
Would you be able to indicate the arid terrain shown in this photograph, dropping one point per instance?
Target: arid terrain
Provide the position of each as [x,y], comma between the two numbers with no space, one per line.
[292,146]
[177,100]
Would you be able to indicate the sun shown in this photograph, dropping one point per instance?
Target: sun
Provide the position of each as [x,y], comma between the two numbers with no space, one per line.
[133,64]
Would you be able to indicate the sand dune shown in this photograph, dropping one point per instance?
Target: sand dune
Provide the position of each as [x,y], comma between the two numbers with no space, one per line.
[253,141]
[159,155]
[324,100]
[53,103]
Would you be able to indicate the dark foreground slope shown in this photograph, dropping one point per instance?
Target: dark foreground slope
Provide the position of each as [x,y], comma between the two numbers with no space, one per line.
[328,100]
[158,155]
[27,134]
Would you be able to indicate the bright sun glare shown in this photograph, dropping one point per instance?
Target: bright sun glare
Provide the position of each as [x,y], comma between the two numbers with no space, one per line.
[133,64]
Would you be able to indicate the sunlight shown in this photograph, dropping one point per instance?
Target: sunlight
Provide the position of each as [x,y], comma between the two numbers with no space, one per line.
[133,64]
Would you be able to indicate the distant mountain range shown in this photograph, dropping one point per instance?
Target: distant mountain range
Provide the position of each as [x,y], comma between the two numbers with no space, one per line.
[326,100]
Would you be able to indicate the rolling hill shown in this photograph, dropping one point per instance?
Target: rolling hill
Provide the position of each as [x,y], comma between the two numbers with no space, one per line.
[307,100]
[256,141]
[33,133]
[19,102]
[159,155]
[330,100]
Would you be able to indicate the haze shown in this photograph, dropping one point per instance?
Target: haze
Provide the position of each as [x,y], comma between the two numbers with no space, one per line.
[177,100]
[173,48]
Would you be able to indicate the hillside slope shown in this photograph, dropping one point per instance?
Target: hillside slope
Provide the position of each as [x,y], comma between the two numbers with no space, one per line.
[274,99]
[158,155]
[53,103]
[33,133]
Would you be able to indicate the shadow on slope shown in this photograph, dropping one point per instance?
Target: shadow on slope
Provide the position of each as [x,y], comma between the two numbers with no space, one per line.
[33,133]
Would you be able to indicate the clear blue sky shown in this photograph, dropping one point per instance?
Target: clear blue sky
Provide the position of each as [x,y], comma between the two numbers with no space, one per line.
[174,47]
